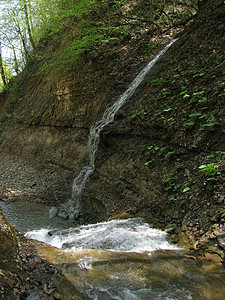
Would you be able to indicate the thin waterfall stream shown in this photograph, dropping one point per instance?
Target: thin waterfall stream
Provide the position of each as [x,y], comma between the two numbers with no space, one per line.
[72,207]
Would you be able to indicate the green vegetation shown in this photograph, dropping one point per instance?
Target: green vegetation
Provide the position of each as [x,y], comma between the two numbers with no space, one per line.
[162,152]
[84,26]
[210,170]
[6,75]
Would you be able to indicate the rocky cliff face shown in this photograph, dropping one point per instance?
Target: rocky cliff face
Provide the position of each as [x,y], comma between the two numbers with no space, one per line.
[163,155]
[47,116]
[166,130]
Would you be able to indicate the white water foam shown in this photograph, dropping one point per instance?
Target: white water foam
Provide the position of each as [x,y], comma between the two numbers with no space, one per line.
[130,235]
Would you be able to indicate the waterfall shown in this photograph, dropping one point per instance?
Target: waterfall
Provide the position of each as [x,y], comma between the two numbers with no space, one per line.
[71,208]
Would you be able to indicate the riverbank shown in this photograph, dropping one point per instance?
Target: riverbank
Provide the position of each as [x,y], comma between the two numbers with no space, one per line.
[29,180]
[24,274]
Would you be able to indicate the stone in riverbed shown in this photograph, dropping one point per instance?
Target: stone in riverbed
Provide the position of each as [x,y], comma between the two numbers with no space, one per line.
[221,241]
[53,212]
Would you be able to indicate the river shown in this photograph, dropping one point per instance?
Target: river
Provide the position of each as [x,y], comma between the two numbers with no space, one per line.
[118,259]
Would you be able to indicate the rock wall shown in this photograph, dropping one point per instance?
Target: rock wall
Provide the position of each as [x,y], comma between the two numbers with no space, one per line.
[47,117]
[164,154]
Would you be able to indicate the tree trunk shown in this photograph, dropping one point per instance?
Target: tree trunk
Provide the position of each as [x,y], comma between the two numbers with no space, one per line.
[27,20]
[152,15]
[23,41]
[16,65]
[2,71]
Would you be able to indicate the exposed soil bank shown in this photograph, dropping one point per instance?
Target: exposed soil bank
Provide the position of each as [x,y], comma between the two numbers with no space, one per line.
[165,152]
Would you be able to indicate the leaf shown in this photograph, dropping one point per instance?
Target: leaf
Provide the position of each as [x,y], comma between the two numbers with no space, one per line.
[210,118]
[202,167]
[189,123]
[167,109]
[198,93]
[186,189]
[202,127]
[171,198]
[197,114]
[210,179]
[203,116]
[210,124]
[204,99]
[183,92]
[182,202]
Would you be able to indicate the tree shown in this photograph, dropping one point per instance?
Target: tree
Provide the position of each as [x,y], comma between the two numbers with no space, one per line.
[26,7]
[13,48]
[91,23]
[2,71]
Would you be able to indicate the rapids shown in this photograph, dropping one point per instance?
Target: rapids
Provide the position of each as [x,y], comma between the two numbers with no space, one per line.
[125,260]
[118,259]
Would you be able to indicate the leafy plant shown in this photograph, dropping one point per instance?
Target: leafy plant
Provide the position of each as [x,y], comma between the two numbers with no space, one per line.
[186,189]
[210,122]
[9,116]
[157,81]
[189,123]
[34,113]
[137,114]
[165,93]
[184,94]
[210,170]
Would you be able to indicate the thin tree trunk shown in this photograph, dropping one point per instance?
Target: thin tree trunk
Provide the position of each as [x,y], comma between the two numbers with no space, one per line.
[152,15]
[23,41]
[30,15]
[2,71]
[27,20]
[16,65]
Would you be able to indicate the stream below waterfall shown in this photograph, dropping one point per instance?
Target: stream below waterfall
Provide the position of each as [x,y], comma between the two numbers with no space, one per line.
[121,259]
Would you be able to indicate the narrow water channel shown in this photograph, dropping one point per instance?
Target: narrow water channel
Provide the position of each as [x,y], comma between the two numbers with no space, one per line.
[119,259]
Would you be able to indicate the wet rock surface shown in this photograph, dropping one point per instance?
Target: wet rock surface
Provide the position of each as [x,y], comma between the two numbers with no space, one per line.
[25,275]
[12,275]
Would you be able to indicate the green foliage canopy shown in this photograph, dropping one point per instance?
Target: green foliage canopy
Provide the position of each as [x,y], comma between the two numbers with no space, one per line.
[87,23]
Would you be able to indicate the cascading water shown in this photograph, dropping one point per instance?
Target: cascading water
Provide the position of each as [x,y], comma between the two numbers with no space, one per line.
[72,207]
[129,235]
[127,259]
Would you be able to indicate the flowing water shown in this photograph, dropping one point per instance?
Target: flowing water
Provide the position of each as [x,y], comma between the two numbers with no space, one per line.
[127,259]
[30,216]
[118,259]
[73,206]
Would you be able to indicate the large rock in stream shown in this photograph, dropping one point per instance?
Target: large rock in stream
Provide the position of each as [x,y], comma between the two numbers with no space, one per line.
[11,272]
